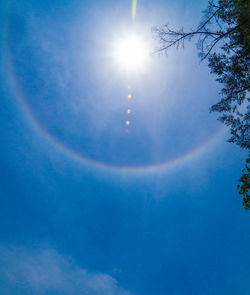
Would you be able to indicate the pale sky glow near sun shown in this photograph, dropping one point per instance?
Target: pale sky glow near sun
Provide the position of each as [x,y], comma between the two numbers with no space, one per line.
[114,177]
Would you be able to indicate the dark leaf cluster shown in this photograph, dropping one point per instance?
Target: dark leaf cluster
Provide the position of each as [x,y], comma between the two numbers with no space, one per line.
[245,185]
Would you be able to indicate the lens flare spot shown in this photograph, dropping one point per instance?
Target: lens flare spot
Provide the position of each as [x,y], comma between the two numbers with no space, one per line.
[129,111]
[134,4]
[127,123]
[129,96]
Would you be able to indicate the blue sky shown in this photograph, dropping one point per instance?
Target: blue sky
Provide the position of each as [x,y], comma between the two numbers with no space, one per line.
[88,208]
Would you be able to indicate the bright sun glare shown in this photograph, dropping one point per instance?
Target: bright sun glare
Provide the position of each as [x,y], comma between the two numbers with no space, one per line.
[131,53]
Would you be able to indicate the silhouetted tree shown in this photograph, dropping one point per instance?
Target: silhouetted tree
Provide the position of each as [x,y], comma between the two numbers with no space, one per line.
[223,38]
[245,185]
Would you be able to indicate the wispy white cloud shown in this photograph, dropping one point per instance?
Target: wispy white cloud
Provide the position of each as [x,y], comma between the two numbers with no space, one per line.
[45,271]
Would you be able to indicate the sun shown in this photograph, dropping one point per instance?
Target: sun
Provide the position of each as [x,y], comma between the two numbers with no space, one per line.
[131,53]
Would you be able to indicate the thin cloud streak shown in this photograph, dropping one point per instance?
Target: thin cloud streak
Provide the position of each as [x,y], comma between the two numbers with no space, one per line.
[44,270]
